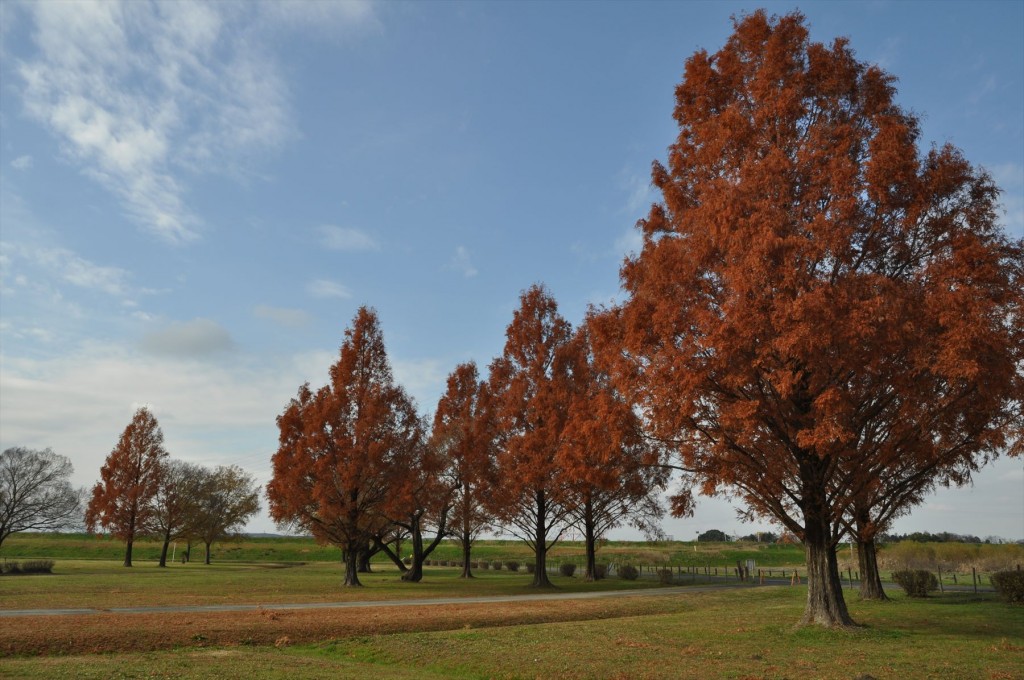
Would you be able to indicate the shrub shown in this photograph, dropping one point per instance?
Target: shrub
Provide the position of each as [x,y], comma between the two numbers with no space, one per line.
[530,566]
[496,565]
[1009,585]
[666,576]
[512,565]
[567,568]
[600,571]
[29,567]
[484,564]
[916,582]
[629,572]
[474,564]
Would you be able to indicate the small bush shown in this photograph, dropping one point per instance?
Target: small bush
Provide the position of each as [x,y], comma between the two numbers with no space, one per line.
[512,565]
[666,576]
[37,567]
[567,568]
[1009,585]
[484,564]
[530,566]
[629,572]
[496,565]
[474,564]
[600,571]
[916,582]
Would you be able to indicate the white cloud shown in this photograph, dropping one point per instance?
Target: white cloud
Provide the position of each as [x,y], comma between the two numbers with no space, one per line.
[322,288]
[346,238]
[283,316]
[424,379]
[64,264]
[197,338]
[22,163]
[1009,177]
[461,262]
[137,92]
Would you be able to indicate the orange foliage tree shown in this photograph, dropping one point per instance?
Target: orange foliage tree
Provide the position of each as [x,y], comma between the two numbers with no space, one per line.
[463,434]
[613,473]
[532,387]
[123,501]
[815,299]
[344,448]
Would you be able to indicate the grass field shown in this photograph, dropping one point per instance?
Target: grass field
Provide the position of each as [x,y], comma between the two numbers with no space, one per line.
[742,632]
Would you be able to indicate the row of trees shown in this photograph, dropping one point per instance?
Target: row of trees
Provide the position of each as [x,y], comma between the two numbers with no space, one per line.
[143,492]
[542,444]
[823,322]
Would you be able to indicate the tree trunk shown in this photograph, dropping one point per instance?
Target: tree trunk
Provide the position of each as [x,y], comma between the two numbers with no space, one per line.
[351,556]
[188,551]
[363,560]
[825,603]
[163,551]
[870,579]
[540,572]
[208,551]
[466,549]
[590,539]
[128,553]
[415,571]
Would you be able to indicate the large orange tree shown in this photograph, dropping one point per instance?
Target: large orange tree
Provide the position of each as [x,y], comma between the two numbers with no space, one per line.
[532,386]
[464,436]
[816,298]
[123,500]
[345,448]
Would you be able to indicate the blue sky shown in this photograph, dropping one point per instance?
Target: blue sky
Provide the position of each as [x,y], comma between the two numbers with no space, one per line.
[195,198]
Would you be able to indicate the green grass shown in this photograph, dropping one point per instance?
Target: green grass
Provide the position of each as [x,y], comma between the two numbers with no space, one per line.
[103,584]
[732,634]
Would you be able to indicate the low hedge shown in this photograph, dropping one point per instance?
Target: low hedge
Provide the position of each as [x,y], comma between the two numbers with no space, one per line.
[916,582]
[1009,585]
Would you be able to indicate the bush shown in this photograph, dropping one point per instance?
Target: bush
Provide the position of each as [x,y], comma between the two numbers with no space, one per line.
[29,567]
[567,568]
[484,564]
[916,582]
[1009,585]
[666,576]
[474,564]
[629,572]
[512,565]
[496,565]
[600,571]
[530,566]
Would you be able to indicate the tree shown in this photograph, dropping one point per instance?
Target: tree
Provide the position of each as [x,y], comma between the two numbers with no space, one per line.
[35,492]
[463,433]
[176,504]
[340,450]
[226,498]
[532,385]
[713,535]
[807,269]
[123,501]
[613,473]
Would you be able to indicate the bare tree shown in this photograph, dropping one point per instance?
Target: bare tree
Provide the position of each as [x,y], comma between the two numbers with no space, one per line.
[228,497]
[35,494]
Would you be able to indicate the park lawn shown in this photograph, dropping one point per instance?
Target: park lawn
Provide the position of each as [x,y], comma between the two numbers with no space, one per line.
[740,633]
[99,584]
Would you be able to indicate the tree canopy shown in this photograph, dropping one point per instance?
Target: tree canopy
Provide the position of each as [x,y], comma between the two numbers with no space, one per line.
[35,492]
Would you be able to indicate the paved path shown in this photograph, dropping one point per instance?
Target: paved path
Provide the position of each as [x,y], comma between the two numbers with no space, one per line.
[590,595]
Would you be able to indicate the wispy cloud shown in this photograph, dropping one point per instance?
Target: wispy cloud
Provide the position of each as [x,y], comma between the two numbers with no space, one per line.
[63,264]
[462,263]
[22,163]
[193,339]
[346,238]
[323,288]
[137,93]
[282,316]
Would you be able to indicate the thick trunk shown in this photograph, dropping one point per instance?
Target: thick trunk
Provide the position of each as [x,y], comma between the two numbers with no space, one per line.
[466,549]
[415,572]
[163,550]
[540,573]
[590,539]
[363,560]
[128,553]
[870,579]
[825,603]
[351,557]
[188,552]
[207,551]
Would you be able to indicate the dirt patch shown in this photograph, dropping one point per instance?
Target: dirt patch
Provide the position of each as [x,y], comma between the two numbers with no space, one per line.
[48,635]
